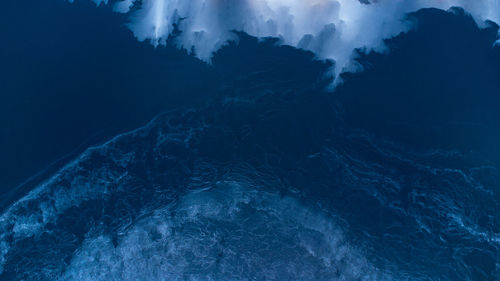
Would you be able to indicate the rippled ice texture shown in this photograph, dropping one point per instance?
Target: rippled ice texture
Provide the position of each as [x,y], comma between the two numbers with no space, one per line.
[231,191]
[228,232]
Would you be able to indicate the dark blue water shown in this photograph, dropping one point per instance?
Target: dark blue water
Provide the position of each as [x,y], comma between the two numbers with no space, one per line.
[253,171]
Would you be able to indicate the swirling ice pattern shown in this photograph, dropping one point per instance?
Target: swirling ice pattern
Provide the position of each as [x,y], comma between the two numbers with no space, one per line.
[171,201]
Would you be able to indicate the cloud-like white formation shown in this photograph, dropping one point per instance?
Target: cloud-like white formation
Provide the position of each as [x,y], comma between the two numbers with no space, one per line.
[331,29]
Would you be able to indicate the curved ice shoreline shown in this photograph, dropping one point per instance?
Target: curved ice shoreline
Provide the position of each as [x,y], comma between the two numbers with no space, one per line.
[201,203]
[191,176]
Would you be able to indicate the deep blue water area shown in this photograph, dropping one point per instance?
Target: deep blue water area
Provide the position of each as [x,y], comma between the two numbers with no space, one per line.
[438,87]
[248,168]
[73,75]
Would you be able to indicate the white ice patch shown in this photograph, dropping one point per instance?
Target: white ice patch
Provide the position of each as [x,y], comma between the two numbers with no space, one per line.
[332,29]
[229,232]
[123,6]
